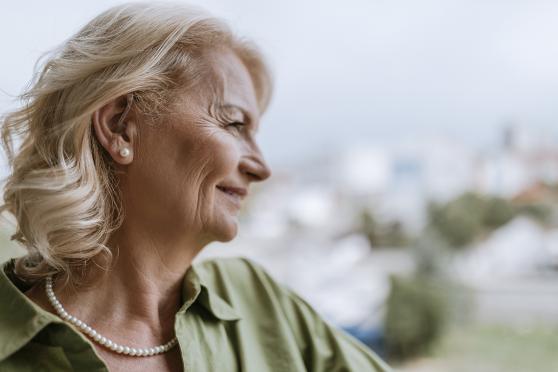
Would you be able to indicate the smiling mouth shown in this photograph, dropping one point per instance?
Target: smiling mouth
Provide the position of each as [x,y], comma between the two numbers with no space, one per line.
[234,197]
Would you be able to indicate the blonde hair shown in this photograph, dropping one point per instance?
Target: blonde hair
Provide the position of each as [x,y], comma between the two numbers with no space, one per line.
[62,188]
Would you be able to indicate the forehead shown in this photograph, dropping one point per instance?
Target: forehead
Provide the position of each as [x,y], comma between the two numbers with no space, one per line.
[233,85]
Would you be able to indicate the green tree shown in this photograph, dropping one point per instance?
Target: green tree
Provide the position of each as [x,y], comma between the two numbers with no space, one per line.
[497,212]
[415,317]
[460,221]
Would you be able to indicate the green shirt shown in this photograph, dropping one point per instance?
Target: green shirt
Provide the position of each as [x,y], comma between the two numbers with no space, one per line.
[234,317]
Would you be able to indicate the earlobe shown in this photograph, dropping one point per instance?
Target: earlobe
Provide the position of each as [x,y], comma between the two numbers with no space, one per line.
[111,124]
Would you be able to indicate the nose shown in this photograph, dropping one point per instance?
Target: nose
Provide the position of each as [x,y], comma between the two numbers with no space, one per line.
[254,165]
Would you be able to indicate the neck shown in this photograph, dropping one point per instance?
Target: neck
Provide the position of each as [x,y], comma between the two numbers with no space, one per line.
[140,292]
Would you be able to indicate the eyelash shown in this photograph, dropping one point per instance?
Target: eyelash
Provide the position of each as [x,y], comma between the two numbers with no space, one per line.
[238,125]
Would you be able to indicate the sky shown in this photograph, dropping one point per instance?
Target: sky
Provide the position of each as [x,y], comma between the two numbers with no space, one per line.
[358,71]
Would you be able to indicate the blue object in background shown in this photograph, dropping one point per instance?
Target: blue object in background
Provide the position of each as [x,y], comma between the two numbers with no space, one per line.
[371,337]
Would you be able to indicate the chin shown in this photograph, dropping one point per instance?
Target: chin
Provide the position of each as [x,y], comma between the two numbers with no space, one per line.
[224,239]
[227,233]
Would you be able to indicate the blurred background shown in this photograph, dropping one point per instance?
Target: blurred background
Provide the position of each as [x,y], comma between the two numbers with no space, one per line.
[414,150]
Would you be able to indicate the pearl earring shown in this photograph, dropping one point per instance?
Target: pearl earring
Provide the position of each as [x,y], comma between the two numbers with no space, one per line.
[125,152]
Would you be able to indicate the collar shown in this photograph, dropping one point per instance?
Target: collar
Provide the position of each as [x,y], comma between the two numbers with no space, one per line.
[21,319]
[196,285]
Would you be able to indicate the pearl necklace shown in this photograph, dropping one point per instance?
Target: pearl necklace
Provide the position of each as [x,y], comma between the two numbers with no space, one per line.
[95,336]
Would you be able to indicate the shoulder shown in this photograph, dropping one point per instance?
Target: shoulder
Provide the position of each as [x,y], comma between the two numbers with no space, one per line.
[237,274]
[252,290]
[272,305]
[238,268]
[225,264]
[247,285]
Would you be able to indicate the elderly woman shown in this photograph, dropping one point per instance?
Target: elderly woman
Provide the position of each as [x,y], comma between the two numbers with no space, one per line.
[137,148]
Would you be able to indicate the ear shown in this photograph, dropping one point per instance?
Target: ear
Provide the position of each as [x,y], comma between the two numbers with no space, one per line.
[115,127]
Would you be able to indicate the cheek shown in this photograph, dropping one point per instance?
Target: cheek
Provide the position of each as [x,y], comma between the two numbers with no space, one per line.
[183,168]
[218,164]
[225,155]
[203,164]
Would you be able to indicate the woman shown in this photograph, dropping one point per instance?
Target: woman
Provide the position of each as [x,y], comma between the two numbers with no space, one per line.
[138,147]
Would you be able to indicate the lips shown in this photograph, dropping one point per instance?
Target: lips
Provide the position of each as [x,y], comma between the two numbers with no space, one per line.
[234,194]
[235,191]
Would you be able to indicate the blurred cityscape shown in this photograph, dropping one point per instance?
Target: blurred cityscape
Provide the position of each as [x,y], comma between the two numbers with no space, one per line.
[415,247]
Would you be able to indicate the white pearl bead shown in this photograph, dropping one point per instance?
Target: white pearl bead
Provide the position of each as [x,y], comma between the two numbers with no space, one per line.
[62,313]
[124,152]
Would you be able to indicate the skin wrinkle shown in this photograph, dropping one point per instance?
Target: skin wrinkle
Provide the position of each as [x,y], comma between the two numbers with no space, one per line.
[202,196]
[207,122]
[202,173]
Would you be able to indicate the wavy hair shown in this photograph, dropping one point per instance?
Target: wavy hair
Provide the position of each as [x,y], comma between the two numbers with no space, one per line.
[62,189]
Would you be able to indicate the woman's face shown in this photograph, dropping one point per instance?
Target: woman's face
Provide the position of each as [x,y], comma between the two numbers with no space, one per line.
[207,142]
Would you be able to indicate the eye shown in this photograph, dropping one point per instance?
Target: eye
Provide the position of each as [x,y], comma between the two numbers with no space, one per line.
[238,125]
